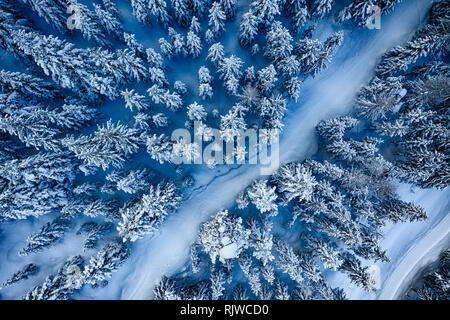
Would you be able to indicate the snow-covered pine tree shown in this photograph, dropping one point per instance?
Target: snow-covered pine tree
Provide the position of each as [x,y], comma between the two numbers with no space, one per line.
[101,267]
[398,210]
[61,285]
[209,36]
[166,48]
[157,76]
[130,65]
[266,79]
[356,272]
[217,19]
[325,251]
[178,42]
[109,21]
[248,28]
[52,11]
[358,11]
[239,293]
[230,71]
[90,25]
[205,91]
[68,66]
[134,100]
[133,44]
[418,133]
[134,181]
[308,52]
[166,290]
[320,8]
[154,58]
[216,53]
[261,240]
[31,127]
[281,291]
[92,207]
[172,101]
[196,112]
[252,273]
[94,71]
[47,236]
[233,123]
[293,6]
[289,66]
[160,148]
[204,75]
[278,42]
[272,110]
[140,10]
[158,9]
[432,38]
[12,20]
[195,25]
[27,89]
[288,261]
[309,267]
[329,48]
[109,145]
[265,11]
[380,97]
[223,237]
[250,97]
[298,20]
[430,69]
[292,87]
[228,7]
[111,7]
[334,128]
[182,13]
[94,233]
[242,200]
[35,185]
[293,180]
[26,272]
[193,44]
[217,283]
[145,216]
[200,290]
[160,120]
[263,197]
[180,87]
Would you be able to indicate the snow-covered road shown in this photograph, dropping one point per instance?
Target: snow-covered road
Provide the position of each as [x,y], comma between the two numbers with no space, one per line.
[328,95]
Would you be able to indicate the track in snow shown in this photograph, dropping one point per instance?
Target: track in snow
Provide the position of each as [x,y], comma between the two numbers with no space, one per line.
[328,95]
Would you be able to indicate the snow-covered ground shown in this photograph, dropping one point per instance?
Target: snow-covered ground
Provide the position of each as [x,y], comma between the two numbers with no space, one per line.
[328,95]
[422,242]
[410,246]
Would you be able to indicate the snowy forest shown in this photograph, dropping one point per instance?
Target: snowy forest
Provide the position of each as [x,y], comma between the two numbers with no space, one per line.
[95,205]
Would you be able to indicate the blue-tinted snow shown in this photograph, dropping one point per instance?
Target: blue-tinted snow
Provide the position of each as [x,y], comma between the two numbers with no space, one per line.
[328,95]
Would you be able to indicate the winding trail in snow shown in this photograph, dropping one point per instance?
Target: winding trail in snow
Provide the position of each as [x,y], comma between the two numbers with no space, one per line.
[423,250]
[410,246]
[328,95]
